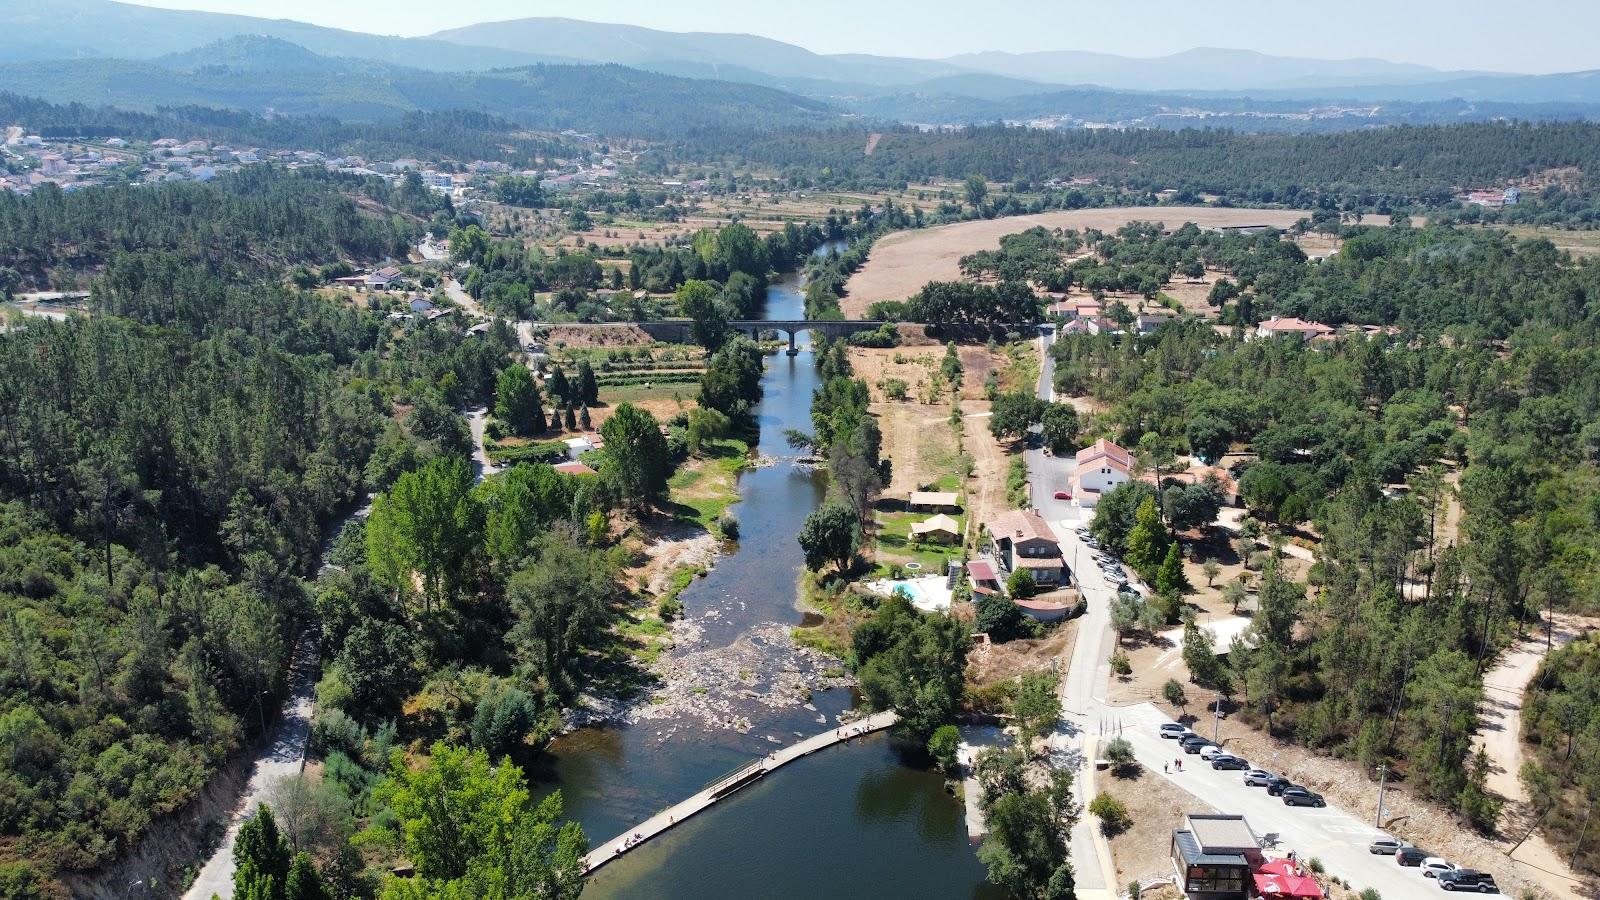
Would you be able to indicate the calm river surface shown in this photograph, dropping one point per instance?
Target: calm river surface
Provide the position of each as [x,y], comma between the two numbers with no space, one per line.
[850,821]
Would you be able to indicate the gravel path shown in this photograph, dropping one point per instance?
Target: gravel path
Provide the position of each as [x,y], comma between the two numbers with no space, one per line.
[284,755]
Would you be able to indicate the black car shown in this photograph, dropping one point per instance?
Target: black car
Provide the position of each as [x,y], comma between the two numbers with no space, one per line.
[1277,786]
[1228,761]
[1411,856]
[1193,747]
[1299,796]
[1468,880]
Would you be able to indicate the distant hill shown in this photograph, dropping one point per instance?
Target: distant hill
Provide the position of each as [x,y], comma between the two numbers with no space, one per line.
[1204,68]
[97,29]
[264,75]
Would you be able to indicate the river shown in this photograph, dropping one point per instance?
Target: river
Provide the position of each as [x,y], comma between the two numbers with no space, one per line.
[851,821]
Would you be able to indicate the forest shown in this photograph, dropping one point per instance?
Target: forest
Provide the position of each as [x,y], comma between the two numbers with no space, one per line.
[1362,444]
[256,219]
[457,134]
[1377,171]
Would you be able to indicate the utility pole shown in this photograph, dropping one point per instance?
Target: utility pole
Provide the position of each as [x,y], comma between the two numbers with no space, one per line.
[1383,778]
[1216,726]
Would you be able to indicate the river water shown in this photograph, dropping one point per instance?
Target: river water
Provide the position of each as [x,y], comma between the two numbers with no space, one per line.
[850,821]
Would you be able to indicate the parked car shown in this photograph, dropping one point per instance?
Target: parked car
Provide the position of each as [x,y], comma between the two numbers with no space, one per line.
[1385,846]
[1433,865]
[1210,752]
[1228,761]
[1411,856]
[1173,730]
[1259,778]
[1278,785]
[1299,796]
[1063,495]
[1468,880]
[1195,743]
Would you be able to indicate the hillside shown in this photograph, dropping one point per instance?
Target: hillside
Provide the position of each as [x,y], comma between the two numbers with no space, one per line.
[609,99]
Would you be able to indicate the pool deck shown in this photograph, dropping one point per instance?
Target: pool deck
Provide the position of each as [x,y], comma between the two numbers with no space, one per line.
[729,785]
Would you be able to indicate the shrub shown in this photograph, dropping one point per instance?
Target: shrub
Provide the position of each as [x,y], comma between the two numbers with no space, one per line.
[1173,693]
[1113,815]
[728,526]
[669,608]
[1119,752]
[1021,585]
[942,747]
[1121,664]
[1315,865]
[333,730]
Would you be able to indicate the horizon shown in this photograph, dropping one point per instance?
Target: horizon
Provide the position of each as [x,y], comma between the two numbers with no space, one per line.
[1460,39]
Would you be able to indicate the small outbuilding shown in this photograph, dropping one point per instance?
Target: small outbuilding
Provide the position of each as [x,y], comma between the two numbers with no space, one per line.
[935,501]
[940,529]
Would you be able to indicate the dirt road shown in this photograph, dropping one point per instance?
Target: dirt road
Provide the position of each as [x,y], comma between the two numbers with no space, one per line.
[1500,715]
[283,756]
[903,262]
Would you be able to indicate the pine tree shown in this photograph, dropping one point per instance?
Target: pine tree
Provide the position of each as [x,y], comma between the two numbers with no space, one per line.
[588,386]
[571,420]
[560,388]
[583,418]
[1170,578]
[304,883]
[260,858]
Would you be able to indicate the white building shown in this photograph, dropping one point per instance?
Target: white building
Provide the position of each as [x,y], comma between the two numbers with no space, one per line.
[1101,467]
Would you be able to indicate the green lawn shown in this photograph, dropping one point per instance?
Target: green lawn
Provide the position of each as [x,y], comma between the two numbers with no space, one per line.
[894,543]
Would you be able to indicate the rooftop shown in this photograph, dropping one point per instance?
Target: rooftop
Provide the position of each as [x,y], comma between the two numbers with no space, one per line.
[1219,832]
[1195,855]
[935,498]
[1108,450]
[1021,525]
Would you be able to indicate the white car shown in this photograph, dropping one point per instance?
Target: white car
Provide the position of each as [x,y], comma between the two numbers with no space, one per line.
[1433,865]
[1210,752]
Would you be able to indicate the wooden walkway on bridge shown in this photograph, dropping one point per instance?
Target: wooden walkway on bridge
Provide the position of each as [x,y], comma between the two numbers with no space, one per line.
[730,784]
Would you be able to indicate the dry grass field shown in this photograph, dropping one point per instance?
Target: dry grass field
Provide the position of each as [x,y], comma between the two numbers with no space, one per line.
[903,262]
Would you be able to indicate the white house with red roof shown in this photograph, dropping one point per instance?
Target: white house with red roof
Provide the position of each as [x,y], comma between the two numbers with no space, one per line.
[1278,326]
[1101,466]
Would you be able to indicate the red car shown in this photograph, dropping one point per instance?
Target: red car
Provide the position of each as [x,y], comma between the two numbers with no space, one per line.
[1063,495]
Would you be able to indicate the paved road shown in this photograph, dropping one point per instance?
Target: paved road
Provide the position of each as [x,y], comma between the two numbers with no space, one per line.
[283,756]
[672,816]
[1047,473]
[458,296]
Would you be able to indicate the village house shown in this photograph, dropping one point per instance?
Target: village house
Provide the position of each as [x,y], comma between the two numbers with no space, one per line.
[1101,466]
[940,529]
[382,278]
[1021,539]
[1150,320]
[1279,326]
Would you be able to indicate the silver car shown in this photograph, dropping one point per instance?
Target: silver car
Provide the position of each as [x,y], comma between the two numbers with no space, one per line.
[1258,778]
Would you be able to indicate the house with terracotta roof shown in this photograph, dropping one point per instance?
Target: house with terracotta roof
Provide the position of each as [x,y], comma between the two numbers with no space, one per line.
[573,468]
[1279,326]
[1021,539]
[1101,466]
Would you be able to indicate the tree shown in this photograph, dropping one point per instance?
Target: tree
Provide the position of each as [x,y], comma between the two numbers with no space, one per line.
[1011,415]
[1059,424]
[588,386]
[471,831]
[732,380]
[913,664]
[562,604]
[705,425]
[561,393]
[303,882]
[1211,570]
[636,465]
[315,815]
[261,858]
[1189,506]
[830,534]
[1037,705]
[1021,585]
[1112,813]
[428,523]
[1170,578]
[701,301]
[516,401]
[977,191]
[942,746]
[1117,513]
[1148,541]
[1174,694]
[1234,592]
[999,618]
[1119,752]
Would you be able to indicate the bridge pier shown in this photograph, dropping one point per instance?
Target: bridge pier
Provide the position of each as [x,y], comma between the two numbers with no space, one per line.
[793,350]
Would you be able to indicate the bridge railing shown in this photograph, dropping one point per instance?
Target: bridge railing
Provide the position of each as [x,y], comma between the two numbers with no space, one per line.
[734,778]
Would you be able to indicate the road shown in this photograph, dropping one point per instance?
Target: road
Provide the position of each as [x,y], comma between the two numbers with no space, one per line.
[282,756]
[458,296]
[1500,713]
[1337,838]
[477,423]
[1047,473]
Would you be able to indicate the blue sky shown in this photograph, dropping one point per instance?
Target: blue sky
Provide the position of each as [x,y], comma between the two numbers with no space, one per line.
[1523,36]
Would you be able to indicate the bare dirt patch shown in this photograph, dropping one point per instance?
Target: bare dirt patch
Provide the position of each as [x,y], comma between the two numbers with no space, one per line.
[619,335]
[1142,853]
[990,664]
[903,262]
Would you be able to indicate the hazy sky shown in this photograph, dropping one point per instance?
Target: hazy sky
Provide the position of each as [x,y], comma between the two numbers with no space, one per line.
[1522,36]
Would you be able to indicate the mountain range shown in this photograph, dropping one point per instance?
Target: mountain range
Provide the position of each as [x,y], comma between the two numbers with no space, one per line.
[106,51]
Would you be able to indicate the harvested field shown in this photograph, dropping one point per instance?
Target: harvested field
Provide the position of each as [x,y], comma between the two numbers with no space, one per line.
[903,262]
